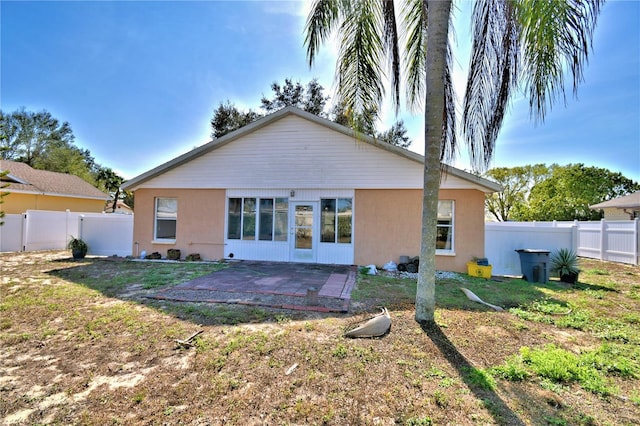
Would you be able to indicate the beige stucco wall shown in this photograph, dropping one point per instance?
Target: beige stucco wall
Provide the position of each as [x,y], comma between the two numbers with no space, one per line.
[388,223]
[16,203]
[200,226]
[617,214]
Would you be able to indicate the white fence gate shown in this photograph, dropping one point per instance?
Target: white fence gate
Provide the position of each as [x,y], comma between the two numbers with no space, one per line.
[612,240]
[105,234]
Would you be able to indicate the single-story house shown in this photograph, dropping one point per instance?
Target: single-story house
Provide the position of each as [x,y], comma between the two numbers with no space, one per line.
[32,189]
[295,187]
[621,208]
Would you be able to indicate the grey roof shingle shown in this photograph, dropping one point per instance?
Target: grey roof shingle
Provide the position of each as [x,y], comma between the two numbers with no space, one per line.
[627,201]
[24,178]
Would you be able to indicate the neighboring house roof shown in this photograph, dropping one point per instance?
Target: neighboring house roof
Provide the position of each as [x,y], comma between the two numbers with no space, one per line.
[120,207]
[486,185]
[22,178]
[631,201]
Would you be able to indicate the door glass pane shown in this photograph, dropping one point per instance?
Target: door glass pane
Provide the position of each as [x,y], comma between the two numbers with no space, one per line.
[328,221]
[249,219]
[345,214]
[266,219]
[304,227]
[233,220]
[281,220]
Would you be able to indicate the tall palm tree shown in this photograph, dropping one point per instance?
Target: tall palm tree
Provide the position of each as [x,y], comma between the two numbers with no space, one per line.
[516,43]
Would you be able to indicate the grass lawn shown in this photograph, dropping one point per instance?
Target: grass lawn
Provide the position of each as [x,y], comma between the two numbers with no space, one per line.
[81,344]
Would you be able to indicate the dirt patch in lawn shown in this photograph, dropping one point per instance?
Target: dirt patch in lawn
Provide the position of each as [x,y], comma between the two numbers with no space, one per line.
[82,344]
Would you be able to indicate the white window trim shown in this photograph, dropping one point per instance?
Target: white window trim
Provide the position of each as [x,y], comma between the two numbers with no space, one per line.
[155,223]
[452,251]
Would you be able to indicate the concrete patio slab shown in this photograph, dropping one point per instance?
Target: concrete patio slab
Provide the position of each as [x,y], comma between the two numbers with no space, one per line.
[298,286]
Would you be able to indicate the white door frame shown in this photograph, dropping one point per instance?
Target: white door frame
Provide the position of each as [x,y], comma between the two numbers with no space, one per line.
[304,254]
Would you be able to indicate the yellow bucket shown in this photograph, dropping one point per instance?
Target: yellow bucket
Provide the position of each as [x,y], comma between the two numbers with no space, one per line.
[476,270]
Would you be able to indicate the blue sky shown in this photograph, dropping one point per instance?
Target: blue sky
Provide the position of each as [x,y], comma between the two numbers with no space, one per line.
[138,81]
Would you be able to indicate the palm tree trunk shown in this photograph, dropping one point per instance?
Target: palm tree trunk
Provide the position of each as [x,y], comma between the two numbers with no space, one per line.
[437,39]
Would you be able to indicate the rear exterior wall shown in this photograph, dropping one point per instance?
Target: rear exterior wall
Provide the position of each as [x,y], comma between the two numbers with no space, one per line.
[200,224]
[388,223]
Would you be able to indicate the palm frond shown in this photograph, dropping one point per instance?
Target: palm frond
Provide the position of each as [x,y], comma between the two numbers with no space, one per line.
[391,47]
[320,23]
[414,22]
[492,76]
[360,74]
[556,34]
[448,149]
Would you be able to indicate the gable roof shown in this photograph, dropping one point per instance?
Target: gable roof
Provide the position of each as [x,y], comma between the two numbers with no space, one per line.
[486,185]
[22,178]
[631,201]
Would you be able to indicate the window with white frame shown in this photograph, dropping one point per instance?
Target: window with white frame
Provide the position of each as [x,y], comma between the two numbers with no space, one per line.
[445,234]
[261,219]
[166,218]
[336,220]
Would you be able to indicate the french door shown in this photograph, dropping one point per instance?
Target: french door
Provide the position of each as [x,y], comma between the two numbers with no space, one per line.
[303,232]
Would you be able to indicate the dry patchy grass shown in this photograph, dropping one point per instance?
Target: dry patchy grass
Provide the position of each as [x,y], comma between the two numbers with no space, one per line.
[81,345]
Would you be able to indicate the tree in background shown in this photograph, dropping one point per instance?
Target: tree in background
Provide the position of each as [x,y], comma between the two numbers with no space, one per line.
[110,181]
[30,137]
[41,141]
[544,193]
[515,43]
[516,182]
[396,135]
[227,118]
[360,121]
[568,191]
[311,98]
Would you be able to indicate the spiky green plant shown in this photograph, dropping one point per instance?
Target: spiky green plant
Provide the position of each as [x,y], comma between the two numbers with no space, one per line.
[564,262]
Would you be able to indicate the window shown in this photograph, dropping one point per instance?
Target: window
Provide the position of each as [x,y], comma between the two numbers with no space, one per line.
[166,218]
[249,219]
[234,221]
[281,219]
[336,219]
[262,219]
[444,237]
[266,219]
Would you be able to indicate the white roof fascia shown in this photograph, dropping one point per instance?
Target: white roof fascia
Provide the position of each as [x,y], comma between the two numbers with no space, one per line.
[56,194]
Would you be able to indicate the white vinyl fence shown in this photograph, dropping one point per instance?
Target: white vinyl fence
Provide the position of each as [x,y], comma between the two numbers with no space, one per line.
[105,234]
[612,240]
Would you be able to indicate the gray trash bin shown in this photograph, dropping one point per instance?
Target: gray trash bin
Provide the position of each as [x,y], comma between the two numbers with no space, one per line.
[534,264]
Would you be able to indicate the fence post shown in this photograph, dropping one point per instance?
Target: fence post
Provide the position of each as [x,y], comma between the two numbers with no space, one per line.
[81,218]
[66,227]
[636,237]
[24,242]
[603,227]
[575,242]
